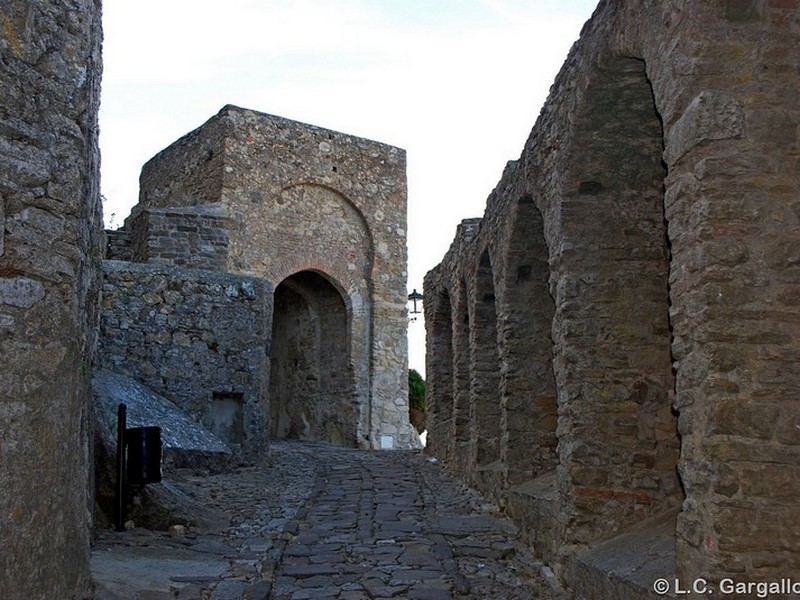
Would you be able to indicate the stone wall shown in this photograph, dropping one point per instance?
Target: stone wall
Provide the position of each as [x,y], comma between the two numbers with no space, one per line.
[634,271]
[302,201]
[199,338]
[49,255]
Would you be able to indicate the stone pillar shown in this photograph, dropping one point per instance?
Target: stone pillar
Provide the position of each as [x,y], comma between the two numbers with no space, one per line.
[732,199]
[439,366]
[49,273]
[463,444]
[484,380]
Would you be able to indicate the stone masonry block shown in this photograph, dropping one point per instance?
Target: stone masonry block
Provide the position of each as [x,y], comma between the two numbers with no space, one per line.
[710,116]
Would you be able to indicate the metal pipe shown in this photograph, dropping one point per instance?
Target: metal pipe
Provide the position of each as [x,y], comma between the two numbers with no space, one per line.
[119,496]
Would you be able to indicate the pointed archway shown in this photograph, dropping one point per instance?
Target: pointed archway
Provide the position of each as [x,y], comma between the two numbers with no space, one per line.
[311,378]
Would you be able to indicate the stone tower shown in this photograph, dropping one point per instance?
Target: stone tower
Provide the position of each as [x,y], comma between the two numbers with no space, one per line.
[322,216]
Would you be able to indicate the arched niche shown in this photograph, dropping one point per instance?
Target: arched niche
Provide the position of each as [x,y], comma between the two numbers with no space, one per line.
[311,376]
[617,433]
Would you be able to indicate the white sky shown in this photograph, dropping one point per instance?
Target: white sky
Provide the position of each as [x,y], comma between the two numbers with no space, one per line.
[457,83]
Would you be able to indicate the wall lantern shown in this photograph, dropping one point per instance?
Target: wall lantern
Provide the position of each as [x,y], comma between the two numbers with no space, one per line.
[413,298]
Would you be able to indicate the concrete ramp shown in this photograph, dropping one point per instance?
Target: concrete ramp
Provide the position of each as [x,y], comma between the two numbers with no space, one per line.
[186,443]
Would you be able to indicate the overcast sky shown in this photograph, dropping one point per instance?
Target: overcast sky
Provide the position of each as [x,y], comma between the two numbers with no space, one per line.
[457,83]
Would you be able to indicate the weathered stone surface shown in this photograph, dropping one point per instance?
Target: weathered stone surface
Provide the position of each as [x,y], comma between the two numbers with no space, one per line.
[629,565]
[638,259]
[193,237]
[185,443]
[49,247]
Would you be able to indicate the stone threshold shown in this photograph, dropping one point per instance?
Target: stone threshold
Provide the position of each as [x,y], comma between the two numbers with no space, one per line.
[627,565]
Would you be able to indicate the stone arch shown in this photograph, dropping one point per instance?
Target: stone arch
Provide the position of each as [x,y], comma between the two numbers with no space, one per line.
[311,374]
[527,383]
[721,276]
[304,214]
[484,378]
[619,446]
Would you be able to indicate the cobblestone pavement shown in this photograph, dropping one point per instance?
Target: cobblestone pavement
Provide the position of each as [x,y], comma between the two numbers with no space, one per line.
[325,522]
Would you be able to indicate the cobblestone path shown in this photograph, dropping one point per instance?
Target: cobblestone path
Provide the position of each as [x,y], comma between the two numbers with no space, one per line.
[328,522]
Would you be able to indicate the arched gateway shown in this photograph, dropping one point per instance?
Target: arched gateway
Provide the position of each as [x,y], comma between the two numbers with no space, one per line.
[311,391]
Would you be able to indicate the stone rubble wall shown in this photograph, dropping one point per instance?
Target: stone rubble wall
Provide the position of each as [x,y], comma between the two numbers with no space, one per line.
[50,248]
[198,338]
[200,179]
[635,263]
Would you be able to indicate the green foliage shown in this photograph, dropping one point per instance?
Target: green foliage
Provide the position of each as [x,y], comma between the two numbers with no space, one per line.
[416,390]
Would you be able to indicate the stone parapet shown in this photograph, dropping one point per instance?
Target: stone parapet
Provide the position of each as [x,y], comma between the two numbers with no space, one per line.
[193,237]
[118,245]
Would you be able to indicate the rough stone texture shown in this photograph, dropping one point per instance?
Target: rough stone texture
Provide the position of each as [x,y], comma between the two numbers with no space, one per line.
[185,445]
[308,365]
[322,215]
[118,245]
[628,565]
[199,338]
[640,262]
[49,256]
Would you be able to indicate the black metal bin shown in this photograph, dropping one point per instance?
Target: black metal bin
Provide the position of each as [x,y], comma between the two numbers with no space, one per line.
[144,455]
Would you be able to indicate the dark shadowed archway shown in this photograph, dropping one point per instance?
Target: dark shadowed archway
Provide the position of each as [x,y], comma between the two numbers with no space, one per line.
[311,379]
[527,383]
[617,434]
